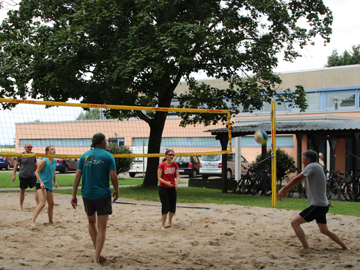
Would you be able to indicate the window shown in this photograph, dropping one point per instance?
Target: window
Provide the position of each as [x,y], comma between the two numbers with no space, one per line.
[57,142]
[118,141]
[313,101]
[181,142]
[281,141]
[340,100]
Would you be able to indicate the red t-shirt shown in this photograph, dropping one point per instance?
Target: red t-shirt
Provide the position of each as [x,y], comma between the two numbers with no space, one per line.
[168,173]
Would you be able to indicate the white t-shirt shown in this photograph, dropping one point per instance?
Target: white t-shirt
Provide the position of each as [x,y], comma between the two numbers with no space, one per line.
[315,184]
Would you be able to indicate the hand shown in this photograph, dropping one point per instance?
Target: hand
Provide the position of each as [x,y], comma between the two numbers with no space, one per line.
[56,185]
[42,186]
[74,202]
[14,178]
[169,184]
[281,194]
[115,195]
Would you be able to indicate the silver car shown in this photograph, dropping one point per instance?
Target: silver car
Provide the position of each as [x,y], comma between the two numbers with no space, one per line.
[212,166]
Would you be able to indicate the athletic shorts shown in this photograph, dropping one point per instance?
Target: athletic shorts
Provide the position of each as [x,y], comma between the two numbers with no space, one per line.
[100,206]
[26,182]
[315,212]
[39,187]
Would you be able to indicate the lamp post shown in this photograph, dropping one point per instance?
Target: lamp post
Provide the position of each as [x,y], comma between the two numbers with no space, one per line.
[335,100]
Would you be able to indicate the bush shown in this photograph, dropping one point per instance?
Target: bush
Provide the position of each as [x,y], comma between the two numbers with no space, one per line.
[285,164]
[122,164]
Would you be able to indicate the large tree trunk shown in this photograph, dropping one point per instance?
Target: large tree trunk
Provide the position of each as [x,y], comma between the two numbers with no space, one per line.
[156,130]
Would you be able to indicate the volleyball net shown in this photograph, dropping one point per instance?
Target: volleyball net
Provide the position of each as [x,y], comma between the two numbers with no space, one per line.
[70,127]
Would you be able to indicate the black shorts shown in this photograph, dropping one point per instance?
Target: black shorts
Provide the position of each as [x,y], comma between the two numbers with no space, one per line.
[315,212]
[27,182]
[39,187]
[100,206]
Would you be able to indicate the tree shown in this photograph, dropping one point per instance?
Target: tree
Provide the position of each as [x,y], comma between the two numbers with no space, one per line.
[347,58]
[129,52]
[285,164]
[89,115]
[122,164]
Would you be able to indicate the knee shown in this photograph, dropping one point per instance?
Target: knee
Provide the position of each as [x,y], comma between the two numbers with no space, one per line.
[51,205]
[294,224]
[324,231]
[41,205]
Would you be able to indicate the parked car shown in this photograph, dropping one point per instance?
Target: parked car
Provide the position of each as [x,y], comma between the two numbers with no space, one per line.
[212,166]
[4,164]
[66,165]
[188,165]
[11,161]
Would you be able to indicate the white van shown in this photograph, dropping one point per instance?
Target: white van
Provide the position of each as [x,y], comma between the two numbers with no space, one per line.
[212,166]
[138,165]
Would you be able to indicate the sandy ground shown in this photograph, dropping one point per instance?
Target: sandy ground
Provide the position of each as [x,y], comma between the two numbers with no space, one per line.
[205,237]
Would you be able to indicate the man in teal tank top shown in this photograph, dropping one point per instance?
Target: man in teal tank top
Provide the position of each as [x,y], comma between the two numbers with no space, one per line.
[95,166]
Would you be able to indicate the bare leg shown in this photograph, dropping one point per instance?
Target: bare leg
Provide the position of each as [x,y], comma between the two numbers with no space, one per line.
[42,200]
[333,236]
[98,235]
[36,197]
[50,201]
[22,198]
[163,220]
[295,223]
[171,215]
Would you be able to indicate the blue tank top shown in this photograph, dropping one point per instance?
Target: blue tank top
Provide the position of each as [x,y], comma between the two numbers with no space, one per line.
[47,173]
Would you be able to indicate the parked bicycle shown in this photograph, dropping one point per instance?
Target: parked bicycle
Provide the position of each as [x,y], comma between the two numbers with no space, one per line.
[255,182]
[336,185]
[353,187]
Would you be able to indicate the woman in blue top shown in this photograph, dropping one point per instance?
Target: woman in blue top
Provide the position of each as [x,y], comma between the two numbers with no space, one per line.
[45,174]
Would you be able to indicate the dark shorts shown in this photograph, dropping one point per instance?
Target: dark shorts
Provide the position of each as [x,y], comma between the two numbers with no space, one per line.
[38,187]
[100,206]
[315,212]
[27,182]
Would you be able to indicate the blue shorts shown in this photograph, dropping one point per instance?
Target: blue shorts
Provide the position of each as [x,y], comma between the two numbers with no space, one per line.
[315,212]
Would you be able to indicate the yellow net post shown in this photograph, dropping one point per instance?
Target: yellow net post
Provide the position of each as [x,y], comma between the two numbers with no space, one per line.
[273,156]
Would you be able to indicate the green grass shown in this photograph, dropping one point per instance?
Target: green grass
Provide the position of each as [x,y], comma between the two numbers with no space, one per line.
[64,180]
[198,195]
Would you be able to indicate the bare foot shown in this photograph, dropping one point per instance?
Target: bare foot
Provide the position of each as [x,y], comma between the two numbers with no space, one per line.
[32,224]
[21,208]
[102,259]
[162,228]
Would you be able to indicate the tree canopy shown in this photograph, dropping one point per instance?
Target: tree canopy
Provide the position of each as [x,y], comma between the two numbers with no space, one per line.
[347,58]
[135,52]
[90,114]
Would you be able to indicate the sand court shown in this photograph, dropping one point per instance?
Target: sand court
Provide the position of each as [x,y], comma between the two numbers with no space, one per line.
[206,236]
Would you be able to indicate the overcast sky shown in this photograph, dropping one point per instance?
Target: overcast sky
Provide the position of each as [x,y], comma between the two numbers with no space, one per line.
[346,33]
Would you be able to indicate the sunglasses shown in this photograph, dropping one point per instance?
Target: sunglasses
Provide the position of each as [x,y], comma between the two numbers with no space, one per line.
[171,155]
[29,147]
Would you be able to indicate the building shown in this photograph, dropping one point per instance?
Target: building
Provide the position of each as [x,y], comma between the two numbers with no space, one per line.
[332,93]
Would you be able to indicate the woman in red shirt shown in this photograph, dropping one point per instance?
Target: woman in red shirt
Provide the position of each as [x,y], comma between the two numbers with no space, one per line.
[167,172]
